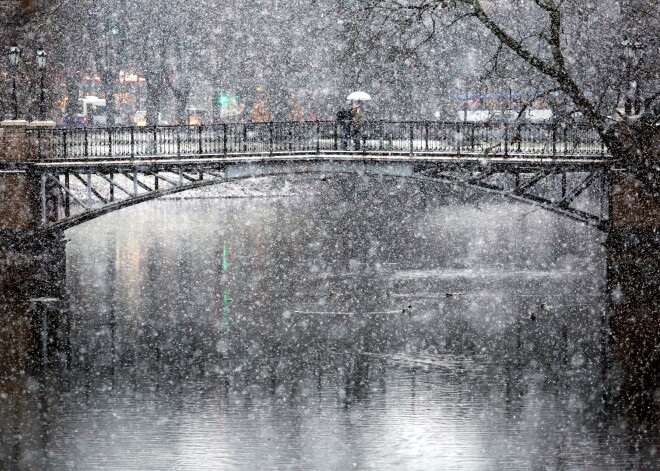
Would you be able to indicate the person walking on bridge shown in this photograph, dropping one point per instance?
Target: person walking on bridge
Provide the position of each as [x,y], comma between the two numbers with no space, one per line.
[344,122]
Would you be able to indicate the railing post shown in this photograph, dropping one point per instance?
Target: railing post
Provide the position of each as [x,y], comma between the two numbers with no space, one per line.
[224,139]
[519,137]
[178,141]
[426,135]
[506,139]
[132,142]
[318,137]
[380,135]
[245,132]
[85,143]
[270,138]
[199,136]
[412,136]
[471,137]
[64,134]
[554,139]
[336,135]
[39,153]
[458,138]
[109,141]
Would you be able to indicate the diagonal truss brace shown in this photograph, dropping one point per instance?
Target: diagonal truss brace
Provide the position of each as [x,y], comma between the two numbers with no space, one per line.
[136,181]
[114,183]
[520,191]
[66,189]
[521,188]
[577,191]
[90,188]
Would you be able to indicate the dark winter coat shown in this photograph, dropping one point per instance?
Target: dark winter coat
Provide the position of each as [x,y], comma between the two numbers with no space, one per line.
[344,116]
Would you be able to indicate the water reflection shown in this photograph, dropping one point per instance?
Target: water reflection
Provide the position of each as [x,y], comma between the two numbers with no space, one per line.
[353,330]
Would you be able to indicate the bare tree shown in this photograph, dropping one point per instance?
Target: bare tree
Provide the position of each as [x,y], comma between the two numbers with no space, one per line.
[571,46]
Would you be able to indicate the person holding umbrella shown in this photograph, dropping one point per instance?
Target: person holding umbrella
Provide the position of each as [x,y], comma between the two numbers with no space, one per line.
[357,116]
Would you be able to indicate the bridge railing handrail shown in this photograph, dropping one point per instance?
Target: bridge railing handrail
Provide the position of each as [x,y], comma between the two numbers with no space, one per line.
[268,138]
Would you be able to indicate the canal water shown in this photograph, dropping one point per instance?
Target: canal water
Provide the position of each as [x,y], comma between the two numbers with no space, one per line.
[374,325]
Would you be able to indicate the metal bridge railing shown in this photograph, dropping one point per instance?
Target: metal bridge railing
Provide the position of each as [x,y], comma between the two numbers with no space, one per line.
[412,137]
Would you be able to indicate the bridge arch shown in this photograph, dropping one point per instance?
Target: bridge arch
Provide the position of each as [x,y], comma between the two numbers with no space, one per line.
[519,185]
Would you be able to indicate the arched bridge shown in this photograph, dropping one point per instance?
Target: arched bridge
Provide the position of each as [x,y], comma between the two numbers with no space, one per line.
[55,178]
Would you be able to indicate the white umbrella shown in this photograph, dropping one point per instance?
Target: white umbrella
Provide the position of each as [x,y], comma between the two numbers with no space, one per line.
[359,96]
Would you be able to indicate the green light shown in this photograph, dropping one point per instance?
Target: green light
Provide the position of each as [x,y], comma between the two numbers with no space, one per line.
[223,99]
[225,263]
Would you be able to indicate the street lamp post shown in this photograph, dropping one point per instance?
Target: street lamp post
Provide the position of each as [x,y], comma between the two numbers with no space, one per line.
[14,54]
[41,65]
[632,51]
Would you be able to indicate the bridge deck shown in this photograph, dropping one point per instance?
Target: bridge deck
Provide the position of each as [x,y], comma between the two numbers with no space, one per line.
[512,160]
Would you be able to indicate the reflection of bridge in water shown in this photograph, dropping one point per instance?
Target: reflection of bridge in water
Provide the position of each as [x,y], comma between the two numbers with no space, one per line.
[54,178]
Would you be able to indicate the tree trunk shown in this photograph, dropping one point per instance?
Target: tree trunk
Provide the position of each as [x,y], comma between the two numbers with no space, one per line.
[109,89]
[181,106]
[72,91]
[639,148]
[182,96]
[154,98]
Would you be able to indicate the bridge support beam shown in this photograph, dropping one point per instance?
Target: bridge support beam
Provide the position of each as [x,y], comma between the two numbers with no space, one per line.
[31,258]
[16,192]
[633,264]
[25,201]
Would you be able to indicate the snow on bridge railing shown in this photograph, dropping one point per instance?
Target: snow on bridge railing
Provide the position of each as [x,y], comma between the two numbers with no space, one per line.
[270,138]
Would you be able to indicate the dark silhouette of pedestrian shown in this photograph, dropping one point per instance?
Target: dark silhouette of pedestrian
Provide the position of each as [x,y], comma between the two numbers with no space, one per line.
[344,117]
